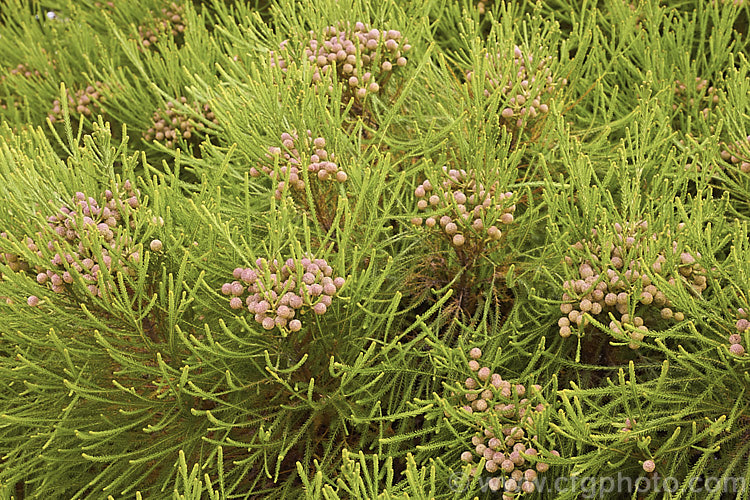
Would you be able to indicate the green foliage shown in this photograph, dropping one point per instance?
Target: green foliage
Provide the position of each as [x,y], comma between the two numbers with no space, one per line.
[501,161]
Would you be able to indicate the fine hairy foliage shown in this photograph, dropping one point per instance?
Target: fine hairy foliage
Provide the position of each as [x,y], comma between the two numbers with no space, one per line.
[355,249]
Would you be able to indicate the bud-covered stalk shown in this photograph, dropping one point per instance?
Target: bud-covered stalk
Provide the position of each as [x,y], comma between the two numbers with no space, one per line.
[511,458]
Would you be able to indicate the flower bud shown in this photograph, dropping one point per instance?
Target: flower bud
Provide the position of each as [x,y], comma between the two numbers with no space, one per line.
[737,349]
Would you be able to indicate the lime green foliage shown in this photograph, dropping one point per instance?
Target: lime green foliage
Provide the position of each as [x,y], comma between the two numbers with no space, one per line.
[519,246]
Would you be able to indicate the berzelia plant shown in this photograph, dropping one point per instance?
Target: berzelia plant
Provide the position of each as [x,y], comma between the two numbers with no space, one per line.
[462,206]
[462,216]
[296,299]
[487,432]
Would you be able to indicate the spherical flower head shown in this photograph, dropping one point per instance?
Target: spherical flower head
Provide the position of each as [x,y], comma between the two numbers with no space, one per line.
[475,353]
[495,483]
[480,405]
[320,308]
[737,349]
[155,245]
[295,325]
[295,301]
[235,303]
[484,373]
[268,323]
[33,301]
[649,466]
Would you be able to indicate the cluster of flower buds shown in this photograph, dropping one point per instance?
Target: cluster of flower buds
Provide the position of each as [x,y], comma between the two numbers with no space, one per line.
[170,124]
[320,163]
[279,294]
[13,261]
[86,101]
[509,450]
[611,276]
[738,154]
[73,239]
[527,88]
[704,94]
[629,423]
[735,340]
[467,211]
[170,21]
[25,71]
[363,58]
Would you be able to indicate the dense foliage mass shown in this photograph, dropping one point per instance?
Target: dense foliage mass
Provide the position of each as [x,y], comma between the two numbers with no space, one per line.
[353,249]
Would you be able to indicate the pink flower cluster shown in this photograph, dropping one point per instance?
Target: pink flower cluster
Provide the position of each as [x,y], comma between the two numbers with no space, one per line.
[319,162]
[735,340]
[464,208]
[171,124]
[362,57]
[508,450]
[611,275]
[526,89]
[169,21]
[86,101]
[84,236]
[704,94]
[278,295]
[738,153]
